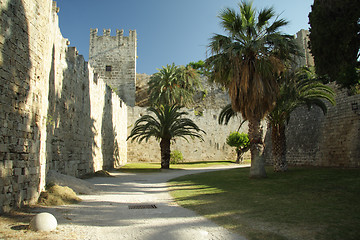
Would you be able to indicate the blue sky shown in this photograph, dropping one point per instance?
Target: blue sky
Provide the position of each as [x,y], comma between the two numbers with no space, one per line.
[167,30]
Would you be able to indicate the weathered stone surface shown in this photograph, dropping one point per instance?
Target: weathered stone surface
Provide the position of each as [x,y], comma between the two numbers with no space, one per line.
[213,147]
[113,59]
[45,222]
[54,112]
[330,140]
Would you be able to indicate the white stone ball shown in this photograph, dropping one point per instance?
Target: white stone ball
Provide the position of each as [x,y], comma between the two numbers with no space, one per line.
[43,222]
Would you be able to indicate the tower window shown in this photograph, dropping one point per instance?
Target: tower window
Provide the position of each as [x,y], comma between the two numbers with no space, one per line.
[108,68]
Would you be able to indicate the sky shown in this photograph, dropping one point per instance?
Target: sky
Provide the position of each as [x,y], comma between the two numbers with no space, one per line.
[168,31]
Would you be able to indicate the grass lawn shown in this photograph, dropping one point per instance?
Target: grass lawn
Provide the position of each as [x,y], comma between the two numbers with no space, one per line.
[155,167]
[303,203]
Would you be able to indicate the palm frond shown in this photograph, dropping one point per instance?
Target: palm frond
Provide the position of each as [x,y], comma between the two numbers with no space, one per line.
[274,27]
[230,20]
[300,89]
[168,123]
[226,114]
[264,16]
[173,84]
[248,60]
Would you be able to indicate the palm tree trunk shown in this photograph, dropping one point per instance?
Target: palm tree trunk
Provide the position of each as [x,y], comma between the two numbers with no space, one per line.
[165,153]
[257,169]
[278,138]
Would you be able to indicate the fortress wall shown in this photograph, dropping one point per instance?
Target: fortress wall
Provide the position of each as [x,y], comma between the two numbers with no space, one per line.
[213,147]
[331,140]
[54,112]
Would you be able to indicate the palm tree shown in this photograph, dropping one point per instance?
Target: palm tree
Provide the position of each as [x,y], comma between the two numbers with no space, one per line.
[173,84]
[167,124]
[300,88]
[297,89]
[246,62]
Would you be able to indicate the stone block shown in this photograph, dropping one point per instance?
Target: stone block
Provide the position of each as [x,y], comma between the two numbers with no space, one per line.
[5,208]
[15,187]
[4,148]
[33,170]
[17,171]
[20,179]
[8,164]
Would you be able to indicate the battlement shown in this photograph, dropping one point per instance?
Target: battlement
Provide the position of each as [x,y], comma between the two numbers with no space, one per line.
[114,59]
[55,8]
[107,33]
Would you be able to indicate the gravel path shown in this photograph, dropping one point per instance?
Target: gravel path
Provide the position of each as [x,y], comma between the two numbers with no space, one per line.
[107,215]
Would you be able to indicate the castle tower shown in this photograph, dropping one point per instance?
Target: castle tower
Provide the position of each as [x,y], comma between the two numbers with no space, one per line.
[114,60]
[302,39]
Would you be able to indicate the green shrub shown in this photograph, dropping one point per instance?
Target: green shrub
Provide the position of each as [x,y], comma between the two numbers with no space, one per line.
[241,142]
[176,157]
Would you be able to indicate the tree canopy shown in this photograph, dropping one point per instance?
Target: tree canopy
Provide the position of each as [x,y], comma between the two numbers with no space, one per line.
[246,61]
[240,141]
[199,66]
[173,85]
[335,40]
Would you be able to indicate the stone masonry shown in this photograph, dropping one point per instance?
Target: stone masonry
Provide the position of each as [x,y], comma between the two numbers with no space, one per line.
[213,147]
[55,113]
[331,140]
[302,39]
[114,59]
[204,112]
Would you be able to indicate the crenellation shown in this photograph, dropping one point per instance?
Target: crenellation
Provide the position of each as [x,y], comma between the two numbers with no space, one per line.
[106,32]
[119,33]
[59,112]
[113,58]
[55,8]
[93,33]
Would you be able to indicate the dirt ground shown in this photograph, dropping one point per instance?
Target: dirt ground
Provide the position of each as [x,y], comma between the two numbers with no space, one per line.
[107,213]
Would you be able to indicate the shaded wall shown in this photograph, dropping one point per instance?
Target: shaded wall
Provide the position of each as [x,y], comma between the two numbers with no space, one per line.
[331,140]
[54,112]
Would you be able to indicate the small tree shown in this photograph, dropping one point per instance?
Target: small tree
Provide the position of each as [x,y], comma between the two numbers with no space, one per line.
[176,157]
[241,142]
[199,66]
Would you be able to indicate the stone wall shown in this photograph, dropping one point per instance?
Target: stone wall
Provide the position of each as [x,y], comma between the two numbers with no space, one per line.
[114,59]
[213,147]
[86,120]
[142,88]
[302,39]
[205,110]
[54,112]
[331,140]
